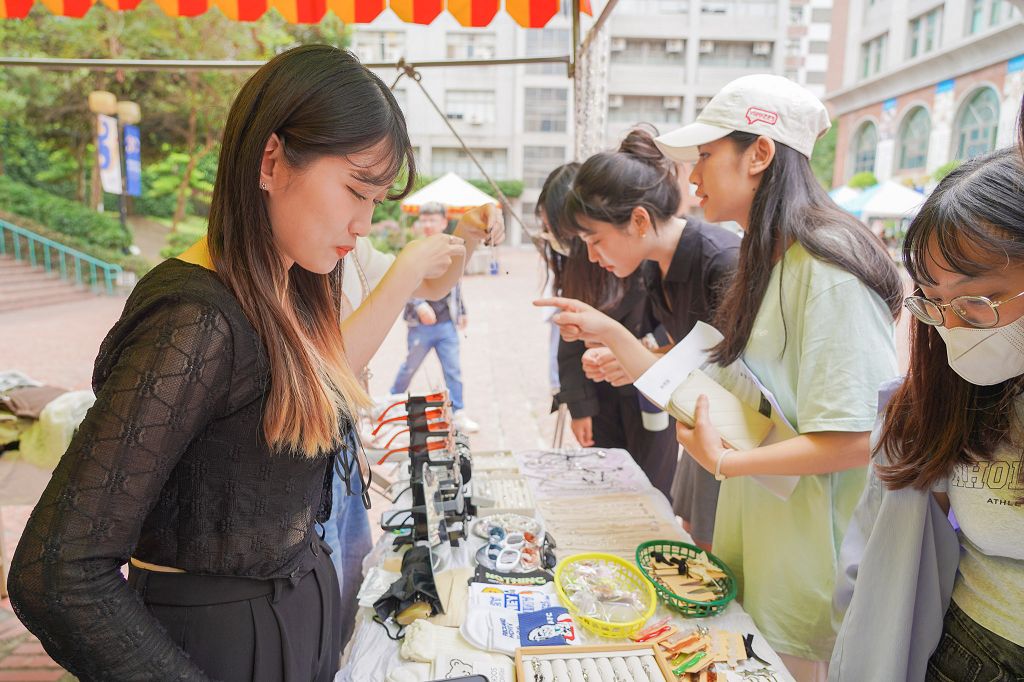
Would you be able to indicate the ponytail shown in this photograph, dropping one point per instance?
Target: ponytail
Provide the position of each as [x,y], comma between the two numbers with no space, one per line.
[610,185]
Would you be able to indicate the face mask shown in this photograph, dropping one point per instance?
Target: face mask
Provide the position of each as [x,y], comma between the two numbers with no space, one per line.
[985,357]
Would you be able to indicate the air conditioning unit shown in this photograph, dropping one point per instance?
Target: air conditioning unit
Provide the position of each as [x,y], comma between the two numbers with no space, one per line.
[707,46]
[672,102]
[615,101]
[674,46]
[618,44]
[762,49]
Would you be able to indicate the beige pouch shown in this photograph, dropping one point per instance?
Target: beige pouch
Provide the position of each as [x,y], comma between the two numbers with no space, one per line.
[742,427]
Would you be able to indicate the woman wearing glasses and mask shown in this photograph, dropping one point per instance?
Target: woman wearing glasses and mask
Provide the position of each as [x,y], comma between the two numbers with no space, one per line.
[605,412]
[949,606]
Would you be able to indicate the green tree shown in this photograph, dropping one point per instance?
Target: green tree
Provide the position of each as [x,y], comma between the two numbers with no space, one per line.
[862,180]
[823,158]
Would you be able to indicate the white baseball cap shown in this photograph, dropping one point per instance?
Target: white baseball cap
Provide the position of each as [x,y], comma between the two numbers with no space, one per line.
[761,104]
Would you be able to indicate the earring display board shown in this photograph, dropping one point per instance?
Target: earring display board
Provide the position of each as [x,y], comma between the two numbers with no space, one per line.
[582,473]
[615,524]
[604,663]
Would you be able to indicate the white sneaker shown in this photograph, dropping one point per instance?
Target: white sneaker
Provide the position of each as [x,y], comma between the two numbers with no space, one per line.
[464,423]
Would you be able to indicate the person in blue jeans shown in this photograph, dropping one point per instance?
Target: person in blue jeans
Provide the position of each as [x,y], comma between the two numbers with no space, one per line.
[435,325]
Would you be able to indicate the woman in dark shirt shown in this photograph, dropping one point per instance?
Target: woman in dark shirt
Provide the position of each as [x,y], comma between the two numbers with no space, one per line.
[603,415]
[220,393]
[623,205]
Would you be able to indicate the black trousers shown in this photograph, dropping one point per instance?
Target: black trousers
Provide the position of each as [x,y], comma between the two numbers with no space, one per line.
[248,630]
[619,424]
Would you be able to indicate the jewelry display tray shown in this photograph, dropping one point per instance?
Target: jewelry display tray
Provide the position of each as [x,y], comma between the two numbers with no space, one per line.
[526,656]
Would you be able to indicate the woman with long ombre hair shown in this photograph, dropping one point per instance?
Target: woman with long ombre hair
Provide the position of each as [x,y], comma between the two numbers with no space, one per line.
[223,394]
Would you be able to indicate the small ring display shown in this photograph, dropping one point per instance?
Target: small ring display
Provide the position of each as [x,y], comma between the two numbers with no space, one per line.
[514,540]
[508,559]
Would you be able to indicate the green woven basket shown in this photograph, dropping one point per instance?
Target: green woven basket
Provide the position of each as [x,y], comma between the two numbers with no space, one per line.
[687,607]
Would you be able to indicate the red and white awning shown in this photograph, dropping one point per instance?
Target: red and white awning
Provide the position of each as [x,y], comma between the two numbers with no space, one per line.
[469,13]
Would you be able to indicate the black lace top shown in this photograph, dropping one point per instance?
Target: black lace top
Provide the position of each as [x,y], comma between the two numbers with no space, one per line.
[170,466]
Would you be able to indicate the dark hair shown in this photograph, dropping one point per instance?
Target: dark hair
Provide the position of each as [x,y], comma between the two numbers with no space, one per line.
[610,185]
[790,206]
[937,419]
[573,275]
[1020,126]
[320,101]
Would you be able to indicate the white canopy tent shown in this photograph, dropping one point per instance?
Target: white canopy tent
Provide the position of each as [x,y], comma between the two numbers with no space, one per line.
[892,201]
[457,195]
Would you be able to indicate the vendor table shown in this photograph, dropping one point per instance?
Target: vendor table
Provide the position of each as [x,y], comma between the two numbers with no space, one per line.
[589,500]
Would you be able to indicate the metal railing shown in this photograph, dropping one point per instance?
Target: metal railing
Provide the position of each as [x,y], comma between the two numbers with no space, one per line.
[73,265]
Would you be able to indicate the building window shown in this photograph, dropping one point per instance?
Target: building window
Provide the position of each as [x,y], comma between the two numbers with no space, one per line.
[378,46]
[470,46]
[865,143]
[538,162]
[735,54]
[472,106]
[456,160]
[653,7]
[821,15]
[985,14]
[818,47]
[545,110]
[914,134]
[645,109]
[740,8]
[547,42]
[925,33]
[648,51]
[872,55]
[977,124]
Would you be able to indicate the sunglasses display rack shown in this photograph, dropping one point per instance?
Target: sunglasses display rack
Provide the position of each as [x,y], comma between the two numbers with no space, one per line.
[439,469]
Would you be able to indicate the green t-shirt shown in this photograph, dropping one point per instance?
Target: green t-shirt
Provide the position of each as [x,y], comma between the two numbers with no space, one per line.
[823,348]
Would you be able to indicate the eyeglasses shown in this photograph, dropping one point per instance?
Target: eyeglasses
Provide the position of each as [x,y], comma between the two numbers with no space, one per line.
[557,246]
[977,311]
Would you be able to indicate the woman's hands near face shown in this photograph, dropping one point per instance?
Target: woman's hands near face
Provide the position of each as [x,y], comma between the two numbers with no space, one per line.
[431,257]
[482,224]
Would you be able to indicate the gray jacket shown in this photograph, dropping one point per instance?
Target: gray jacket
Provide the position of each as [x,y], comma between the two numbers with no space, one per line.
[901,554]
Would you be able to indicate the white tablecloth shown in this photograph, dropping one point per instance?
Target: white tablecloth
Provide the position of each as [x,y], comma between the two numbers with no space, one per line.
[371,654]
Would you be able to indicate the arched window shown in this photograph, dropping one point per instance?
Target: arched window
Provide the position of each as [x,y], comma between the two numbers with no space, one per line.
[914,134]
[977,124]
[864,144]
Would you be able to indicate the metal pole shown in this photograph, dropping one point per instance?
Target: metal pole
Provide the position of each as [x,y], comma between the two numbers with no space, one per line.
[605,13]
[575,38]
[123,163]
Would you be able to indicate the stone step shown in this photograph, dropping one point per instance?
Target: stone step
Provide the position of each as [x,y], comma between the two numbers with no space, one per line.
[29,299]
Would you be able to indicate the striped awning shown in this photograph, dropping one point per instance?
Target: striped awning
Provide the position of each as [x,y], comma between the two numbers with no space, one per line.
[469,13]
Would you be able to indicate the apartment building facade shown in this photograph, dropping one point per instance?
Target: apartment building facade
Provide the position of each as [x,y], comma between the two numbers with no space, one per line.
[668,58]
[922,83]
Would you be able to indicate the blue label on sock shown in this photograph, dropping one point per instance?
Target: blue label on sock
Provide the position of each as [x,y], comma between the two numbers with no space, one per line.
[550,627]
